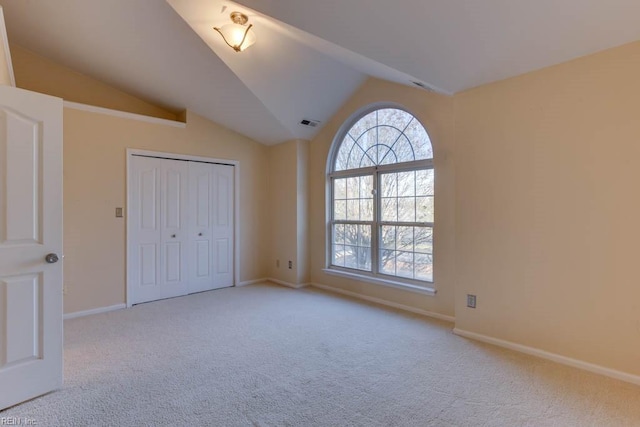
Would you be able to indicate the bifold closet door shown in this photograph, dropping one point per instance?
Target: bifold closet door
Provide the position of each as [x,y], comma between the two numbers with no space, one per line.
[158,229]
[211,226]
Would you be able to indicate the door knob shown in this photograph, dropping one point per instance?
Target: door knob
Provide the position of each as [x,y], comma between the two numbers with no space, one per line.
[173,236]
[199,234]
[51,258]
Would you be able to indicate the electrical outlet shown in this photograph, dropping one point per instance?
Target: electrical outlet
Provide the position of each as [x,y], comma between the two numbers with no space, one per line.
[290,265]
[278,263]
[119,213]
[471,301]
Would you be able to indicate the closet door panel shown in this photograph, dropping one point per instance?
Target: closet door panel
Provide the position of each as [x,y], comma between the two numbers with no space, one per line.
[223,220]
[200,205]
[144,223]
[174,186]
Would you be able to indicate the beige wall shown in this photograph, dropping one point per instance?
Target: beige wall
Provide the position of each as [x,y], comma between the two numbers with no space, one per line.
[288,212]
[302,224]
[282,211]
[436,114]
[33,72]
[94,185]
[547,209]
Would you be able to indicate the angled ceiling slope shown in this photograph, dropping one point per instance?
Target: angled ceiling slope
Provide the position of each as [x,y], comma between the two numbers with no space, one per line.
[292,80]
[456,45]
[144,48]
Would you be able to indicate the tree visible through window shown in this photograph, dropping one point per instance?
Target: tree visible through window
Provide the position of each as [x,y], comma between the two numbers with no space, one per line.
[382,198]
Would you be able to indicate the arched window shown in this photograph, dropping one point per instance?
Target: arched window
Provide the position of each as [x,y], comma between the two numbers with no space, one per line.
[382,198]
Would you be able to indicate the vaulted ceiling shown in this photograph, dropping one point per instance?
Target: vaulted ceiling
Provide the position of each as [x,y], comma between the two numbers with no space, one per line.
[310,56]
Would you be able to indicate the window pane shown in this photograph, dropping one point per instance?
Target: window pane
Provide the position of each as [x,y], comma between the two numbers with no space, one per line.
[385,136]
[366,187]
[388,262]
[353,209]
[364,259]
[366,210]
[355,157]
[404,239]
[403,150]
[351,234]
[389,209]
[339,188]
[424,267]
[351,256]
[423,240]
[364,236]
[340,210]
[338,233]
[363,125]
[407,209]
[342,159]
[416,133]
[424,182]
[338,255]
[353,187]
[388,237]
[404,264]
[425,209]
[388,185]
[406,183]
[398,118]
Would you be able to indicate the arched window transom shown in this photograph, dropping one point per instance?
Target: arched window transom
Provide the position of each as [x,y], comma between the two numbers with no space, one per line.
[383,137]
[382,199]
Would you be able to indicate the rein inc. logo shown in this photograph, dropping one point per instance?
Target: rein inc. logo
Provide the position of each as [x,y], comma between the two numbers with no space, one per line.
[17,421]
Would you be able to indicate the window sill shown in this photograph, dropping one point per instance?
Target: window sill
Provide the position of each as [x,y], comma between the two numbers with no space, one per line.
[379,281]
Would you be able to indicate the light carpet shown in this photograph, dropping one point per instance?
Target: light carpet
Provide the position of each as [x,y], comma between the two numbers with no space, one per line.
[264,355]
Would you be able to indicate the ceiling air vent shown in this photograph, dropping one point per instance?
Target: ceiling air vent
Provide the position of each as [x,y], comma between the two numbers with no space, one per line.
[423,86]
[310,123]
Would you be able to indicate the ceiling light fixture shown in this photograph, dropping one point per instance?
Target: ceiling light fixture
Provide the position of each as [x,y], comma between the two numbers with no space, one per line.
[237,36]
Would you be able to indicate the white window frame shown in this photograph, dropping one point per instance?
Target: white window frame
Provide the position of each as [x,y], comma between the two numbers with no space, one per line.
[374,276]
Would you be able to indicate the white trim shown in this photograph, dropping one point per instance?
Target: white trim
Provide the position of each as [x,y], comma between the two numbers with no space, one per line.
[94,311]
[379,281]
[252,282]
[287,284]
[7,52]
[236,214]
[124,114]
[385,302]
[554,357]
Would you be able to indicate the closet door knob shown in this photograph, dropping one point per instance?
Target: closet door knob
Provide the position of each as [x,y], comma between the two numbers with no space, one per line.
[199,234]
[51,258]
[173,236]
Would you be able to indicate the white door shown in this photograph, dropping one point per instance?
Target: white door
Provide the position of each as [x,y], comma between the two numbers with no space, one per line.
[30,228]
[158,235]
[223,225]
[211,226]
[200,227]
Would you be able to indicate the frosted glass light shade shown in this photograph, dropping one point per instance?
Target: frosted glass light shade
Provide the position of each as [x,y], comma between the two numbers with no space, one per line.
[234,34]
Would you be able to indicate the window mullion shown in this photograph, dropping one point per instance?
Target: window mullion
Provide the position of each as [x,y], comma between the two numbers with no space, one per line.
[375,229]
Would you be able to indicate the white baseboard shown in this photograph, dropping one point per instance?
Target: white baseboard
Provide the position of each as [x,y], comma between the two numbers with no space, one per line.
[564,360]
[94,311]
[385,302]
[251,282]
[287,284]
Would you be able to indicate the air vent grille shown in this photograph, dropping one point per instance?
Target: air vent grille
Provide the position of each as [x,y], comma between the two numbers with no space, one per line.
[423,86]
[309,122]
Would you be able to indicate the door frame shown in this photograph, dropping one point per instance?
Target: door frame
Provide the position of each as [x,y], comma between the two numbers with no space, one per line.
[186,157]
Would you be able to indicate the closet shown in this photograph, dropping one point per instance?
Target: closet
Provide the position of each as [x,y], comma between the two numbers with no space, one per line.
[180,227]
